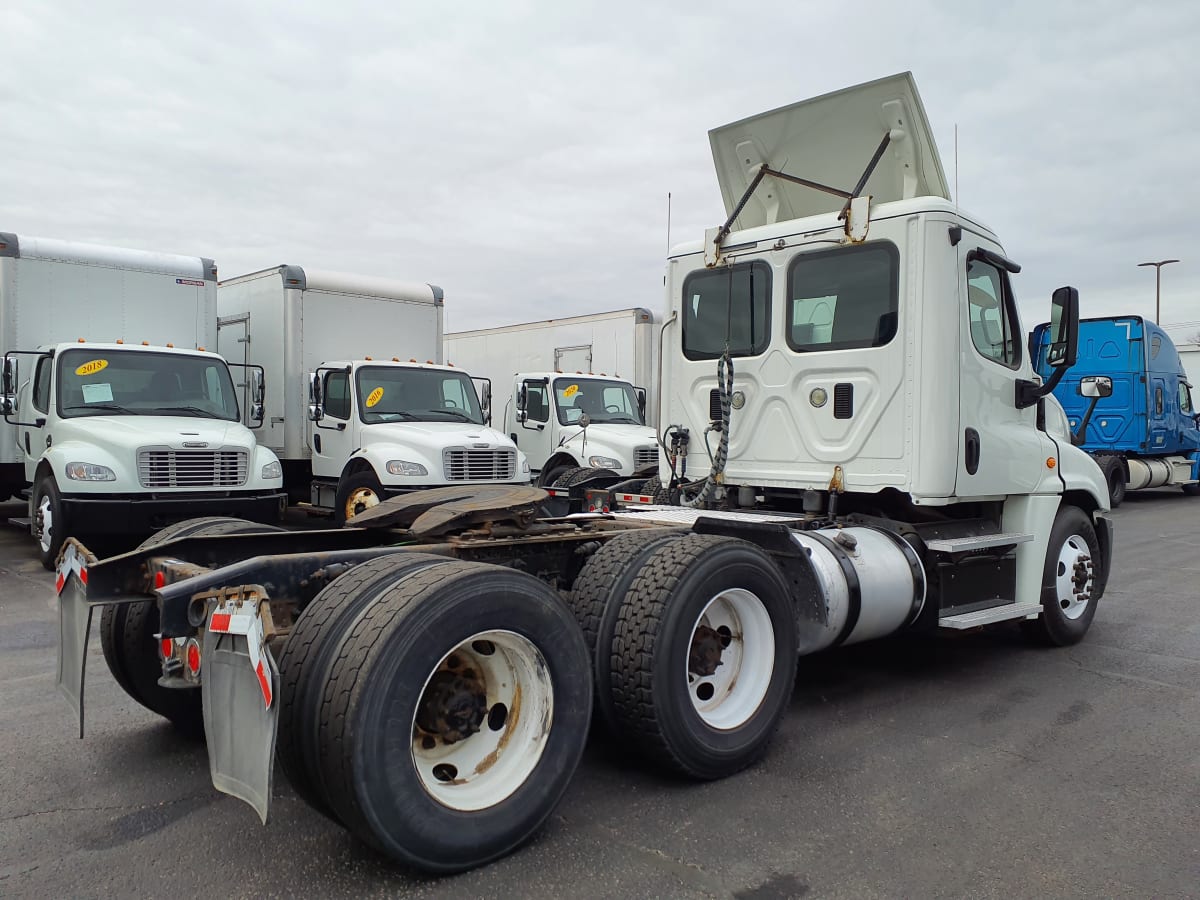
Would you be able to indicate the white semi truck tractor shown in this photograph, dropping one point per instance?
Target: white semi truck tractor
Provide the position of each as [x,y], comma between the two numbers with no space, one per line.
[118,416]
[858,447]
[383,416]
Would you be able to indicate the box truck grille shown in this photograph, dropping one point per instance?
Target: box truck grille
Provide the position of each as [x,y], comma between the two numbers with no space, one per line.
[192,468]
[645,456]
[479,465]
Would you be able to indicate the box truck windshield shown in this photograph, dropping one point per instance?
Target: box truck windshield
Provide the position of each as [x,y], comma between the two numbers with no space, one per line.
[605,402]
[391,394]
[138,383]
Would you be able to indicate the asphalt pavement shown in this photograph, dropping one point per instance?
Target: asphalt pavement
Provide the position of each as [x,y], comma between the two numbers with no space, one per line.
[972,765]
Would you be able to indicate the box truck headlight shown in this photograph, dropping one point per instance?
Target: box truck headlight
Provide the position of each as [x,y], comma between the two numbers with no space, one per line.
[272,470]
[403,467]
[81,471]
[603,462]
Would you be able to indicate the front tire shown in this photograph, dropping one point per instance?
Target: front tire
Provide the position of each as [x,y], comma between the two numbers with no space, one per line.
[454,716]
[49,521]
[1114,474]
[356,493]
[704,656]
[1068,581]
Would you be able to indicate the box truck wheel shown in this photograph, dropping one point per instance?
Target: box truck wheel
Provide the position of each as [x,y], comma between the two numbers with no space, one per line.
[49,521]
[357,491]
[128,634]
[704,655]
[308,652]
[1114,475]
[1068,581]
[596,599]
[455,714]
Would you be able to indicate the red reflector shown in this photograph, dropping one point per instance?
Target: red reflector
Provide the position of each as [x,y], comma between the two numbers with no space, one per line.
[159,579]
[220,622]
[167,648]
[193,657]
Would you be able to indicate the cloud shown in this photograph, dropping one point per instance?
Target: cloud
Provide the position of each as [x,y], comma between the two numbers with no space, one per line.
[520,154]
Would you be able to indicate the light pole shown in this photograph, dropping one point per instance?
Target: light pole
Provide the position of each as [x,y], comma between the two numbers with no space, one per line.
[1158,284]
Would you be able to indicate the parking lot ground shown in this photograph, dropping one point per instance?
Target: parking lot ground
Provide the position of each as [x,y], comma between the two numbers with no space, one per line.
[963,766]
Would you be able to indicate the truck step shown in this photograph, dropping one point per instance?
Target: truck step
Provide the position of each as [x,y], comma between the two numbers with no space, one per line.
[20,523]
[988,616]
[976,542]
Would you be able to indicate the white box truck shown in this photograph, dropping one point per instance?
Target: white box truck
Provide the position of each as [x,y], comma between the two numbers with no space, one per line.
[883,459]
[382,415]
[116,416]
[549,374]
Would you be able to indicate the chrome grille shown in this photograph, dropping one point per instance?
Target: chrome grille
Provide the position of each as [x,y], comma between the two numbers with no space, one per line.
[191,468]
[645,456]
[461,464]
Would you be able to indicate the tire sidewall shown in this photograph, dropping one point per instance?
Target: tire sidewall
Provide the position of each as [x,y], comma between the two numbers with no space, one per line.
[395,806]
[681,724]
[1058,628]
[47,488]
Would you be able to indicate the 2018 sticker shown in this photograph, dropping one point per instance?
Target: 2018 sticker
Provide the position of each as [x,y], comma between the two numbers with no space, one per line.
[374,397]
[91,367]
[571,390]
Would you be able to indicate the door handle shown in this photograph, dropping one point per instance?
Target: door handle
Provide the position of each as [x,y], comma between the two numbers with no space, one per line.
[971,451]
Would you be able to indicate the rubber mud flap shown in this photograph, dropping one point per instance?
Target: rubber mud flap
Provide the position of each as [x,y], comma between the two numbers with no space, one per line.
[239,731]
[74,625]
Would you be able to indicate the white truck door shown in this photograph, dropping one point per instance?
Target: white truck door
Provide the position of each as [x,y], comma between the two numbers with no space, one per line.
[1000,449]
[535,435]
[333,437]
[573,359]
[35,407]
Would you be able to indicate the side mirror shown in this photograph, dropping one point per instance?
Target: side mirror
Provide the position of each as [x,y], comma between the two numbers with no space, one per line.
[8,396]
[584,420]
[315,411]
[1064,328]
[522,400]
[641,400]
[258,393]
[1095,386]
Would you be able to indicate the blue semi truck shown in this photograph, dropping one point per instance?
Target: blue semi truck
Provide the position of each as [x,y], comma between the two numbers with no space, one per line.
[1129,404]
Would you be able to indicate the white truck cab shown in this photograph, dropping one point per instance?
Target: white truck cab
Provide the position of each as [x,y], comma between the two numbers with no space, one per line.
[126,438]
[565,421]
[384,428]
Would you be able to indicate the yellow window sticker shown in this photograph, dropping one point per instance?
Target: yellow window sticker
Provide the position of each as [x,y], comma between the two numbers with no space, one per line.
[374,397]
[571,390]
[91,367]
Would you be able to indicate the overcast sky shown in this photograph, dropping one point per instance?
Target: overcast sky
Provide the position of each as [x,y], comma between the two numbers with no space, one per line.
[519,154]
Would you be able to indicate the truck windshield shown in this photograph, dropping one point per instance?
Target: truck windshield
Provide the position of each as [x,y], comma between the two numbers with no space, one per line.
[612,402]
[401,394]
[95,382]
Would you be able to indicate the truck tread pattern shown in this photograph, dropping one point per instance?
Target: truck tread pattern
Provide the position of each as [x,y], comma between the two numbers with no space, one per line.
[306,654]
[638,626]
[347,682]
[572,477]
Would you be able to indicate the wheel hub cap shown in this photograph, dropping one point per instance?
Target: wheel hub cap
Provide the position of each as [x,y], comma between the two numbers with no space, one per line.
[1075,577]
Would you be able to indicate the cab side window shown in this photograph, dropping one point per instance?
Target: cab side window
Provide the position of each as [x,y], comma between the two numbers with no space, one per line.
[41,384]
[337,395]
[993,318]
[537,402]
[1158,401]
[1185,398]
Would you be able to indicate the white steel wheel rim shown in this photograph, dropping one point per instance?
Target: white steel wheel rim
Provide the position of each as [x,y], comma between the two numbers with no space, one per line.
[46,524]
[729,696]
[1074,577]
[362,497]
[488,766]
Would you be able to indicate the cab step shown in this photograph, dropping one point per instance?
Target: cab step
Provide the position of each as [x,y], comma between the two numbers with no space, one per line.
[976,542]
[20,523]
[990,615]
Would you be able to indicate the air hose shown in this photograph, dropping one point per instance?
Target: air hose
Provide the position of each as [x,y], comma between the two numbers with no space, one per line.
[725,397]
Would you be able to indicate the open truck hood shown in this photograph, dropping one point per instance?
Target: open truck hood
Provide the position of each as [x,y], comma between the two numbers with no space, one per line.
[830,140]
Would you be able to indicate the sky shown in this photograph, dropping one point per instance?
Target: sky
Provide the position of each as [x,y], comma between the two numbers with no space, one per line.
[520,154]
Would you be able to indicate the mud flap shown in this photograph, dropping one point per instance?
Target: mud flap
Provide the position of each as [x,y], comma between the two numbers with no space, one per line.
[239,687]
[74,626]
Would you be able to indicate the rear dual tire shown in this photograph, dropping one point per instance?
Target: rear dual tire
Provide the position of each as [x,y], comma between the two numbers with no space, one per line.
[443,709]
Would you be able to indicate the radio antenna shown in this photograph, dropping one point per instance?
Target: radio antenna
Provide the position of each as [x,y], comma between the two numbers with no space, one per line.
[956,201]
[668,223]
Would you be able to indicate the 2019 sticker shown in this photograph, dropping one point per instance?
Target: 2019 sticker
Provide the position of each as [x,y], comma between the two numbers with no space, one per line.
[374,397]
[571,390]
[91,367]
